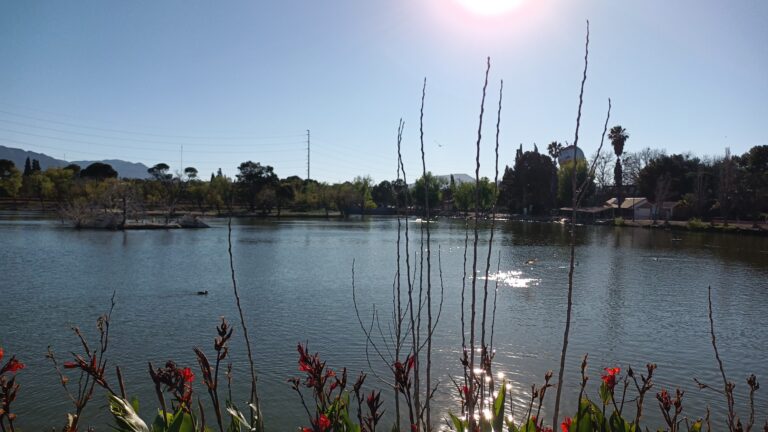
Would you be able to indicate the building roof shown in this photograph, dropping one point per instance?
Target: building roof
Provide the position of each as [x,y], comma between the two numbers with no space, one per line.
[590,210]
[670,204]
[629,203]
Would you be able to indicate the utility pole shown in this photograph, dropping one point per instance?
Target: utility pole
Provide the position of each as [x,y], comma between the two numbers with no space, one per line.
[308,154]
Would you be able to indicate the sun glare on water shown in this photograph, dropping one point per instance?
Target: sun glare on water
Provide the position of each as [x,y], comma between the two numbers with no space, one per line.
[489,7]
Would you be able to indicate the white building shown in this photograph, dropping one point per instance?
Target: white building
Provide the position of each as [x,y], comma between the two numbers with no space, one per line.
[570,153]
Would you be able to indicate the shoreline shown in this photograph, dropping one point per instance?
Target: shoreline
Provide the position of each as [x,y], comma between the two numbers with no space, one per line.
[33,209]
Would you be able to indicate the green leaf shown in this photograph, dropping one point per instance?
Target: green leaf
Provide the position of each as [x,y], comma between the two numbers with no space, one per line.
[485,425]
[458,424]
[349,425]
[125,416]
[582,421]
[158,425]
[529,426]
[605,393]
[616,423]
[597,415]
[181,422]
[135,403]
[498,408]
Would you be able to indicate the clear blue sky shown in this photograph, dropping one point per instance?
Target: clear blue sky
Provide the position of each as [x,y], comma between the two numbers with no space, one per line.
[242,80]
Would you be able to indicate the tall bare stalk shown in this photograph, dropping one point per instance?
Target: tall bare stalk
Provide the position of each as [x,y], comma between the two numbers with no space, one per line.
[398,322]
[256,418]
[493,222]
[471,403]
[428,374]
[571,267]
[727,385]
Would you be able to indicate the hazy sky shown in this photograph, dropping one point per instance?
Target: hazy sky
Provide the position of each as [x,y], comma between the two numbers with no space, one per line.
[243,80]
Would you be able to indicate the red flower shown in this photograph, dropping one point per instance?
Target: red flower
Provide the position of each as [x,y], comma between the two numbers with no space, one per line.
[1,353]
[664,400]
[14,365]
[411,361]
[610,377]
[565,425]
[187,375]
[323,423]
[306,429]
[465,391]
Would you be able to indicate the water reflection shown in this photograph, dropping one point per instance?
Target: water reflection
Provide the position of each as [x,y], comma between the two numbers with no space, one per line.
[512,278]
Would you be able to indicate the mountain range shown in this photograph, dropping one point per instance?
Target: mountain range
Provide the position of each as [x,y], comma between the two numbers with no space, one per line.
[127,169]
[124,169]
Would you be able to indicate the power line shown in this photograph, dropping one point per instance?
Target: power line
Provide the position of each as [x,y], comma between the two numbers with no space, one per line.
[122,131]
[122,146]
[149,141]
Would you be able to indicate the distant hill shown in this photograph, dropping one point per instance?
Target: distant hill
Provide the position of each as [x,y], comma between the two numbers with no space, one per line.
[457,178]
[124,169]
[18,156]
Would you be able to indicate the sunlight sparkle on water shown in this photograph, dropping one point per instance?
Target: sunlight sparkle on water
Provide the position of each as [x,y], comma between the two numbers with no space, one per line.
[512,278]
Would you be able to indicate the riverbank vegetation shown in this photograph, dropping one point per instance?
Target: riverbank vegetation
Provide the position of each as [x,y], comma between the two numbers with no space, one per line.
[722,189]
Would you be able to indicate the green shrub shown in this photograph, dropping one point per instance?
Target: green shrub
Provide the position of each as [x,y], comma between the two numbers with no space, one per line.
[696,224]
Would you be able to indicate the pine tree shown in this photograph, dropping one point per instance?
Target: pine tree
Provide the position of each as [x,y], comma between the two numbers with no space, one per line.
[27,168]
[36,165]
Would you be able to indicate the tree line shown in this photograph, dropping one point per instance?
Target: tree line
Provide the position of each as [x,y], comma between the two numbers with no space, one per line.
[731,186]
[728,187]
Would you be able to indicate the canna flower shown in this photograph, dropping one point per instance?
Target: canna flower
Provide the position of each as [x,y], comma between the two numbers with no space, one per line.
[610,377]
[323,423]
[13,365]
[566,424]
[187,375]
[664,400]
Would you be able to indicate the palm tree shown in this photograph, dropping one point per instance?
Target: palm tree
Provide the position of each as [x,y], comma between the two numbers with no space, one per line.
[618,136]
[554,148]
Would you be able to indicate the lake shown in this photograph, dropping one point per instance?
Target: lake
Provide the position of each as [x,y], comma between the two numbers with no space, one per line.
[640,296]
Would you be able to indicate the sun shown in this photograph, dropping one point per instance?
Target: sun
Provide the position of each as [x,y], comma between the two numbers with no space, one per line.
[489,7]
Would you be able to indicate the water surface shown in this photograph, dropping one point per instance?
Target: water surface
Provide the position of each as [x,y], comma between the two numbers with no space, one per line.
[640,296]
